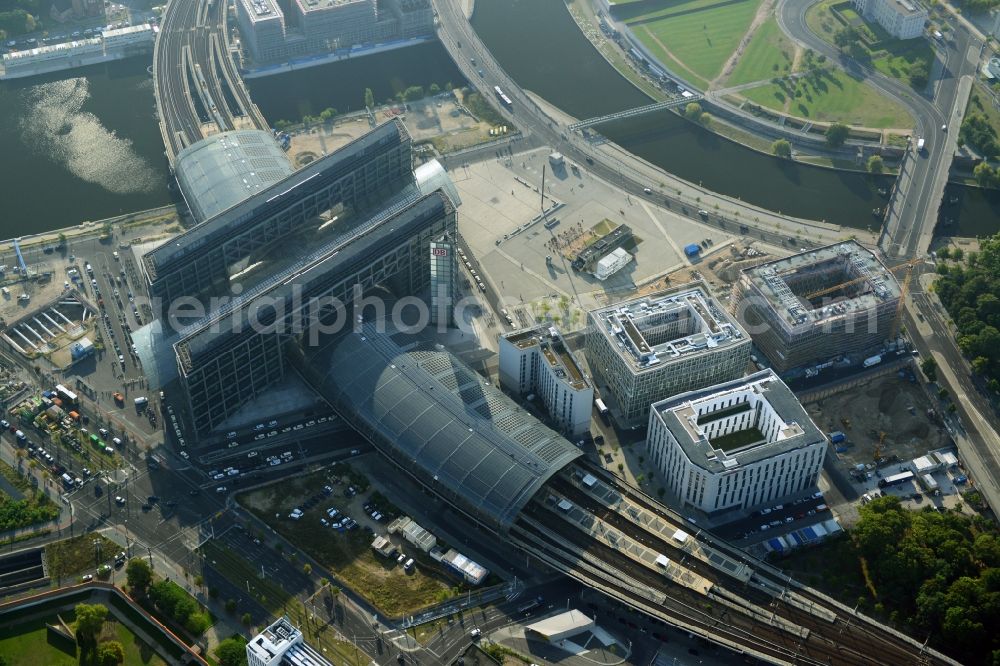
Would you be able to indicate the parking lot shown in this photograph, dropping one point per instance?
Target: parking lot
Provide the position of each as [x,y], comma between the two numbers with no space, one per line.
[333,525]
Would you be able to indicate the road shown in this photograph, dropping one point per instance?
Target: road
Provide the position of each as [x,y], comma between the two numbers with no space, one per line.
[975,434]
[613,165]
[913,211]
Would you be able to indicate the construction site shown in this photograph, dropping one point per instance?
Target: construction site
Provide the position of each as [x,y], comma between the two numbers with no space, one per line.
[891,419]
[56,330]
[839,300]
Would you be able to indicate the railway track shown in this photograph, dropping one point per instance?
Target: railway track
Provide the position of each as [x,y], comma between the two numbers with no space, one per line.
[848,625]
[765,612]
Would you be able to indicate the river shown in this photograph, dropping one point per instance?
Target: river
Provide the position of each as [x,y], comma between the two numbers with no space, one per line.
[341,85]
[79,145]
[91,136]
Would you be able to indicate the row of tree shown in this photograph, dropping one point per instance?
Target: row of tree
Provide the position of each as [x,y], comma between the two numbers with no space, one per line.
[970,291]
[694,112]
[977,131]
[169,598]
[410,94]
[36,508]
[934,574]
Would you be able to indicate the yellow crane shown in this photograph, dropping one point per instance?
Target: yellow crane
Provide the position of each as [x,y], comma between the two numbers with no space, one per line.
[878,446]
[903,291]
[908,265]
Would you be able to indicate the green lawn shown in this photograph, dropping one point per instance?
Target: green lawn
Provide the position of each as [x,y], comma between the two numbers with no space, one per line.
[769,54]
[979,102]
[27,644]
[897,57]
[821,20]
[701,34]
[78,555]
[834,97]
[738,439]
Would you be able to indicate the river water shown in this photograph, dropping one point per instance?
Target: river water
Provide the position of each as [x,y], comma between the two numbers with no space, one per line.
[85,145]
[341,85]
[79,145]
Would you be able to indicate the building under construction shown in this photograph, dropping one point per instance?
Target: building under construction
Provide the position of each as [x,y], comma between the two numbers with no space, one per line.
[838,299]
[586,260]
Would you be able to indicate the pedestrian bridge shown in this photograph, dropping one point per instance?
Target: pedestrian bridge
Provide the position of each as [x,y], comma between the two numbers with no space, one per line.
[637,111]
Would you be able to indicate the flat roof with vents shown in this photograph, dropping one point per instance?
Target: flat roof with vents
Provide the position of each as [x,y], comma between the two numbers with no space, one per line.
[661,328]
[438,418]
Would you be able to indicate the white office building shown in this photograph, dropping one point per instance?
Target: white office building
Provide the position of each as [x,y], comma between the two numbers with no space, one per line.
[656,346]
[536,361]
[739,445]
[903,19]
[282,644]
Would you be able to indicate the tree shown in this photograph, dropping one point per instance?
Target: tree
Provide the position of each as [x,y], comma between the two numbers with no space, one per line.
[985,175]
[929,367]
[705,119]
[232,651]
[836,135]
[89,620]
[919,75]
[62,239]
[692,111]
[782,148]
[434,89]
[138,575]
[413,93]
[875,164]
[369,98]
[307,568]
[110,653]
[247,620]
[230,605]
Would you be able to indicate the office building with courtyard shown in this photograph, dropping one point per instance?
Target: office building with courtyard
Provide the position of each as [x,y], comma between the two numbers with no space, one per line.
[735,446]
[650,348]
[276,30]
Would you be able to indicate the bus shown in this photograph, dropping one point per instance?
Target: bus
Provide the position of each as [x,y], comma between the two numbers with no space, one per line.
[602,409]
[895,479]
[67,396]
[503,98]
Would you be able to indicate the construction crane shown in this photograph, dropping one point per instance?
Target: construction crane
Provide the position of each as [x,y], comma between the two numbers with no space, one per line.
[903,291]
[908,265]
[878,446]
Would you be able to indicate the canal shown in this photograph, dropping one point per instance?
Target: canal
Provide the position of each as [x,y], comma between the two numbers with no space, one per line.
[80,145]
